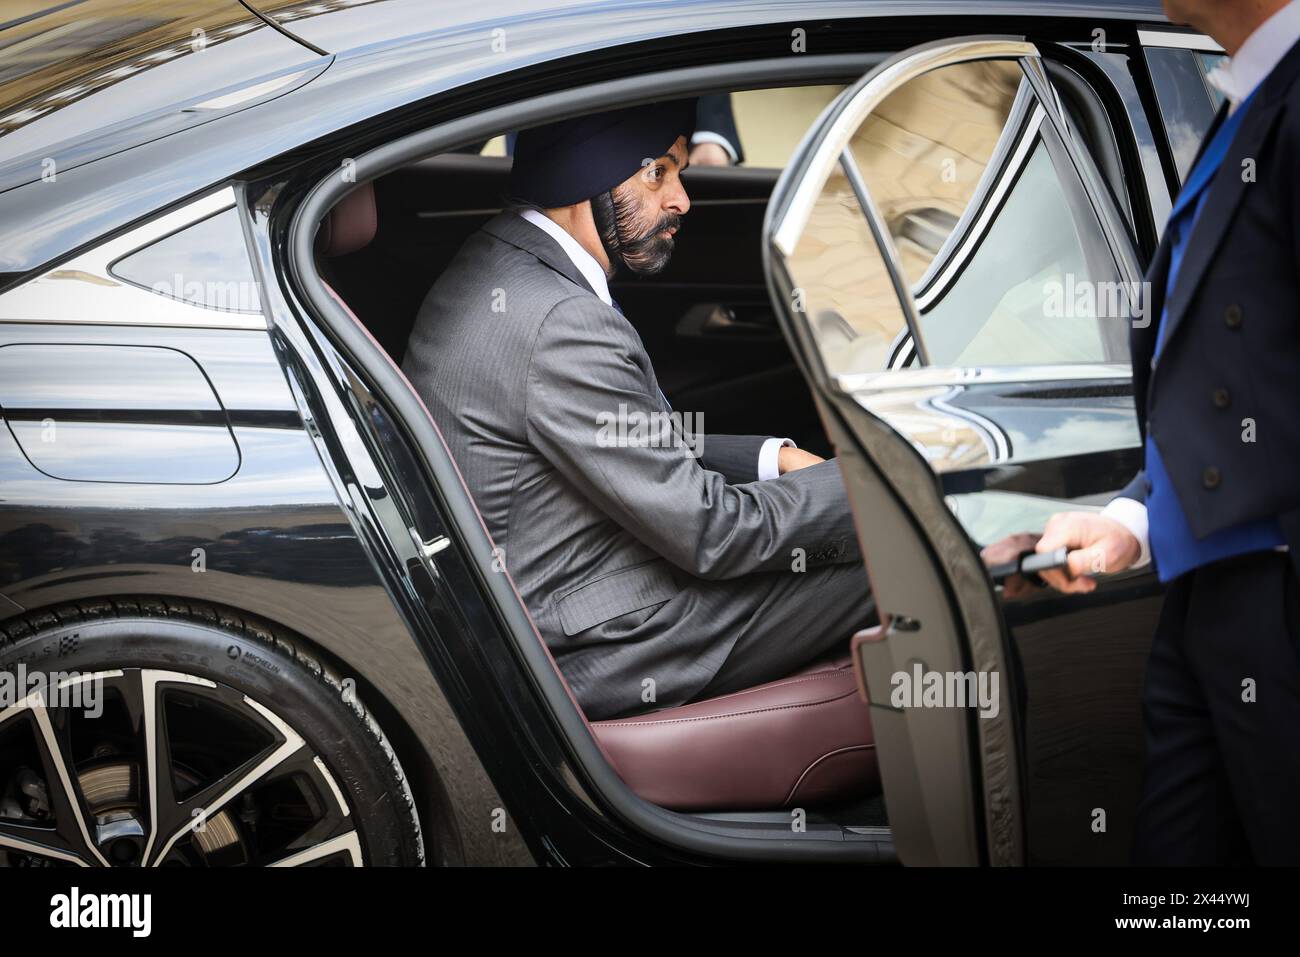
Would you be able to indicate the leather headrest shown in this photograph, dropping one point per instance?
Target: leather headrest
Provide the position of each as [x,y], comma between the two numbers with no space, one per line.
[351,224]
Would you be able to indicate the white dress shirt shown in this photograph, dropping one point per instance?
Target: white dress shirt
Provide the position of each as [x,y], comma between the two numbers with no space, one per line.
[586,264]
[1236,79]
[584,260]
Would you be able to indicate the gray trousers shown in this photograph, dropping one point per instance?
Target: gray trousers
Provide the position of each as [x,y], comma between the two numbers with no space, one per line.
[802,618]
[726,636]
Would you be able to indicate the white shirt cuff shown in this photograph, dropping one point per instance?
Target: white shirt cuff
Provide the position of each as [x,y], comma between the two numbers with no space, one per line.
[704,136]
[1132,514]
[767,458]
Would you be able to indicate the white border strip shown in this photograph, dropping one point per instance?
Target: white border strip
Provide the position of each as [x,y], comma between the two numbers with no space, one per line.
[1178,40]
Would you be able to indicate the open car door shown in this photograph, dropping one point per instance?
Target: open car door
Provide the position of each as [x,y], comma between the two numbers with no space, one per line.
[957,283]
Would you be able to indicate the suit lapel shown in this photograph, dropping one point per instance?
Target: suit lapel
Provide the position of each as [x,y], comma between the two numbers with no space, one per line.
[512,228]
[1211,225]
[1225,190]
[1219,119]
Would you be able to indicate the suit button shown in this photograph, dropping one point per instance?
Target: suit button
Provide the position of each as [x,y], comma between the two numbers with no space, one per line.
[1153,363]
[1211,478]
[1232,316]
[1221,398]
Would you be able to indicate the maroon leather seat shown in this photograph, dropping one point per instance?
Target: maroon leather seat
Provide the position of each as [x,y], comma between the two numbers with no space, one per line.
[798,741]
[351,225]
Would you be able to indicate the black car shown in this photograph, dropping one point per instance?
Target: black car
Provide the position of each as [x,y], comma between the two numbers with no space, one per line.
[248,611]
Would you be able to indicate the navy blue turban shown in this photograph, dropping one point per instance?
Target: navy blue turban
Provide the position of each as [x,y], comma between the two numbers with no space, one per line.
[566,162]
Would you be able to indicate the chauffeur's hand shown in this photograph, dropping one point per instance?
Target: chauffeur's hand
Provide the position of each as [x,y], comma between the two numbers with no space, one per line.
[1098,546]
[791,460]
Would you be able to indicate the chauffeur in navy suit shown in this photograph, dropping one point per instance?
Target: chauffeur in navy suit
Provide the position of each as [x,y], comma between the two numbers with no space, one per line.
[1216,382]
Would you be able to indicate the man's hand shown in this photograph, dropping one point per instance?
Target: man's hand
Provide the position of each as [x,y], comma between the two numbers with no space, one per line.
[1098,546]
[1007,550]
[709,154]
[791,460]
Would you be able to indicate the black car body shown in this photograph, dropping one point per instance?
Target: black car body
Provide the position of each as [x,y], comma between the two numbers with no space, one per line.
[256,467]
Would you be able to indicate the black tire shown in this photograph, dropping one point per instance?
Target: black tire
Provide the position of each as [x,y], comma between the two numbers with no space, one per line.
[250,658]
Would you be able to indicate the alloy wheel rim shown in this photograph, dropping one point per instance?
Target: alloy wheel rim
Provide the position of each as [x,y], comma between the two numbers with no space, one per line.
[186,772]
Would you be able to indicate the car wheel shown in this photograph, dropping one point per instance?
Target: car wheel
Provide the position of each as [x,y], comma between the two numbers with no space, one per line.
[157,732]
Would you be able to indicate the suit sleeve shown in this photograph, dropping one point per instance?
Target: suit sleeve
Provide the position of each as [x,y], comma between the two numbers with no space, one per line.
[735,456]
[593,413]
[1136,489]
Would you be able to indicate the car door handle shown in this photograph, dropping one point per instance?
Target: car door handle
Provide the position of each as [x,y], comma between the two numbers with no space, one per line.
[717,320]
[1029,564]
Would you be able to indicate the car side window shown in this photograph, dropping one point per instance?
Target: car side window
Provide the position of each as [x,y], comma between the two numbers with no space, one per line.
[186,267]
[993,232]
[1187,101]
[205,264]
[772,122]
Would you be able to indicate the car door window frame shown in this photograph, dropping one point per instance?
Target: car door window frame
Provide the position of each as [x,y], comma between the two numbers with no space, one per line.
[933,596]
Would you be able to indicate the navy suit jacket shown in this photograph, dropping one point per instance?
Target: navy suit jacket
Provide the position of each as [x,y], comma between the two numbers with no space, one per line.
[1230,366]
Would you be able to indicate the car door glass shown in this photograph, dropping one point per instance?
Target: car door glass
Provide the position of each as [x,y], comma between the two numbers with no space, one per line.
[1186,99]
[841,284]
[996,311]
[1209,62]
[925,150]
[991,234]
[205,264]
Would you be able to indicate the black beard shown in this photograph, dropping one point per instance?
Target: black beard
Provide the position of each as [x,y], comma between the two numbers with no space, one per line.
[643,251]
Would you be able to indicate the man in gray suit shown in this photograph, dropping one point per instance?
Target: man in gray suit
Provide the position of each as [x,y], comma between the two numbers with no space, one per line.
[660,566]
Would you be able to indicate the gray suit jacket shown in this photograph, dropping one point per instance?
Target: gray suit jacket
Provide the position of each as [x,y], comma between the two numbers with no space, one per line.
[637,559]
